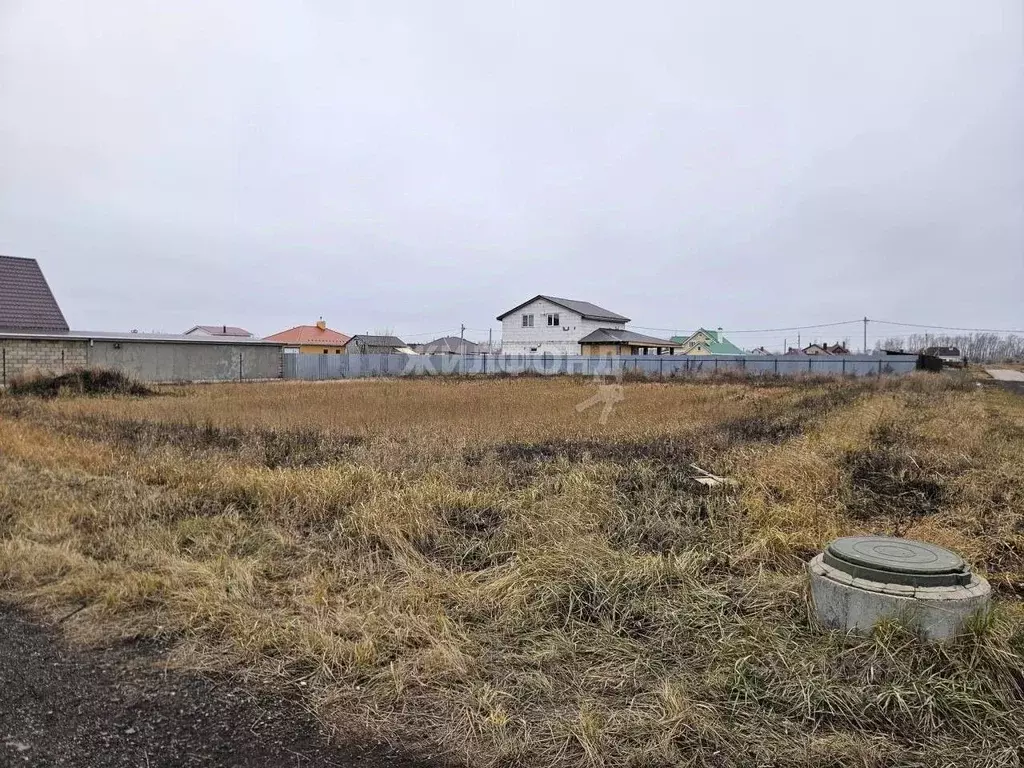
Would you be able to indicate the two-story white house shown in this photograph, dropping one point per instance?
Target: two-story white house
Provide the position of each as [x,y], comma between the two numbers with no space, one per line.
[547,324]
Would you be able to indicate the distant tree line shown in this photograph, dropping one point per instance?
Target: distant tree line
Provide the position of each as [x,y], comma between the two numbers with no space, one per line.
[977,347]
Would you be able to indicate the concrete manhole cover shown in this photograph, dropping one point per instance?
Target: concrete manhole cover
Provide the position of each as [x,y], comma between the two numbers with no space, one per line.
[889,560]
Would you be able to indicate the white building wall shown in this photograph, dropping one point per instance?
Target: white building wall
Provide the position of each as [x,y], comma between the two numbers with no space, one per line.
[563,339]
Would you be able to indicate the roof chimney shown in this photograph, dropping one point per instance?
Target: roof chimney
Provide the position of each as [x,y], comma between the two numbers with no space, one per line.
[224,329]
[720,334]
[321,324]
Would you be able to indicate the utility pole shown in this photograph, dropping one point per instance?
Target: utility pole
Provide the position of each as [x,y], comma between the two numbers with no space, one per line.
[865,334]
[490,340]
[785,346]
[462,340]
[798,344]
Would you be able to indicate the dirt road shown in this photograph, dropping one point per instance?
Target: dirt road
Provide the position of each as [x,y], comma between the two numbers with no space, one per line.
[117,707]
[1004,374]
[1007,379]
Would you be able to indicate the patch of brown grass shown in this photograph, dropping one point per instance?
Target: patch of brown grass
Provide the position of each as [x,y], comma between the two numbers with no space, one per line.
[472,410]
[480,568]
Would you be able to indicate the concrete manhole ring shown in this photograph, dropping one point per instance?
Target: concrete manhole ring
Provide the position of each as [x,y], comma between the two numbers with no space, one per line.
[897,561]
[859,580]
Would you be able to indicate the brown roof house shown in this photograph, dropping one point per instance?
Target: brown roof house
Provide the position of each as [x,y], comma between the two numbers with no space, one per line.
[33,331]
[312,339]
[35,339]
[825,349]
[26,301]
[618,341]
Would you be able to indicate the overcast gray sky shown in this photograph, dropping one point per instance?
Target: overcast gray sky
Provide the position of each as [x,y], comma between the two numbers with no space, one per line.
[415,165]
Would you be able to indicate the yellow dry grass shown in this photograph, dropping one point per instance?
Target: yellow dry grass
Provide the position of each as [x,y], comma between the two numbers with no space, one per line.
[479,567]
[485,410]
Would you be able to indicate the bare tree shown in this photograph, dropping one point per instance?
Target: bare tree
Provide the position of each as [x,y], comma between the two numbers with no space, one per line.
[977,347]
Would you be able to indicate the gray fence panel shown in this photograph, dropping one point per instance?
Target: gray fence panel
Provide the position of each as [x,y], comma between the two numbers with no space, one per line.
[323,367]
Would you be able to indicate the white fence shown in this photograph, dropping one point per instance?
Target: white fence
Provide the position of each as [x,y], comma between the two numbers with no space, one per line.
[323,367]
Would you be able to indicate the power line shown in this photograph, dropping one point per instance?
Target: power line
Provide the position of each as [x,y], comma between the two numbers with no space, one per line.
[765,330]
[799,327]
[790,328]
[850,322]
[436,334]
[947,327]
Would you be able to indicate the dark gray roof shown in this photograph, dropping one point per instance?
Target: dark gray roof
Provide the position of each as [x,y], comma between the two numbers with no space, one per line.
[220,330]
[620,336]
[587,310]
[941,351]
[449,344]
[376,341]
[26,302]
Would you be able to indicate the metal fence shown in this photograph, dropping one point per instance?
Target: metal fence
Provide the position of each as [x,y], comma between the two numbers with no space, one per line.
[323,367]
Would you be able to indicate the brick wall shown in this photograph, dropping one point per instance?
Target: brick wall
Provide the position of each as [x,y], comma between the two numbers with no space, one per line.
[27,356]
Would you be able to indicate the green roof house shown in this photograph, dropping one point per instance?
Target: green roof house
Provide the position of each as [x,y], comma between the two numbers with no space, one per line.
[705,342]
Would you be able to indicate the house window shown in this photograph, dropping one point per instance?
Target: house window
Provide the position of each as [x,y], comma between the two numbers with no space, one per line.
[553,319]
[325,351]
[527,321]
[337,351]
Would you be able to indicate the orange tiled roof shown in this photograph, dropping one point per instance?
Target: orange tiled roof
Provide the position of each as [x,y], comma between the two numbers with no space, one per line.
[310,334]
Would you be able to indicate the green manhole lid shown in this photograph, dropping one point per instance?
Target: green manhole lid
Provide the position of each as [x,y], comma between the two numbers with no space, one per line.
[889,560]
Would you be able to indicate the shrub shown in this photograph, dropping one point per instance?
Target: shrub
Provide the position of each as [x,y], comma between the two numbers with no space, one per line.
[85,381]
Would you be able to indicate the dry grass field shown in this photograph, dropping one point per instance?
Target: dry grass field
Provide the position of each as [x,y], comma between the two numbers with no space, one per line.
[478,568]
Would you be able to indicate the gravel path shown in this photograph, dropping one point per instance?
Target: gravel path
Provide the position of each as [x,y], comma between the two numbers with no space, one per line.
[116,707]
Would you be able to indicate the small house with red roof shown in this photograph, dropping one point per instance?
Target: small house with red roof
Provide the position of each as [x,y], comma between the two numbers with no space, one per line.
[312,339]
